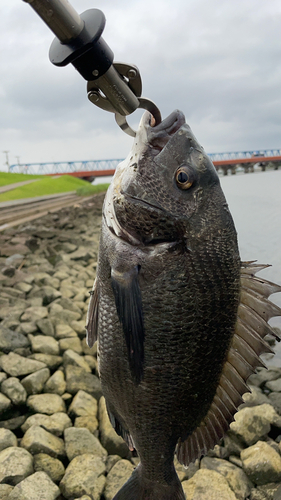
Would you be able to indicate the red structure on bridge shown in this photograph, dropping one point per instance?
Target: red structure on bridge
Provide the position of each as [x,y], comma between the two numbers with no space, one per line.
[91,169]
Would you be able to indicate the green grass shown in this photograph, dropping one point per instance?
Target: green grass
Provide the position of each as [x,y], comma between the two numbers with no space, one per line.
[8,178]
[48,185]
[90,189]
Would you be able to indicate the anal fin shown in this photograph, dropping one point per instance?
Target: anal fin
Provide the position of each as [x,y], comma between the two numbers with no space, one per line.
[128,303]
[119,427]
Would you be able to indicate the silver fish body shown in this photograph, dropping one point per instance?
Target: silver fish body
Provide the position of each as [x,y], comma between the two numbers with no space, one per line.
[165,305]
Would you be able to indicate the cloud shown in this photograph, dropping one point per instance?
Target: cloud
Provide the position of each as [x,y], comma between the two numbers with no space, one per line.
[218,61]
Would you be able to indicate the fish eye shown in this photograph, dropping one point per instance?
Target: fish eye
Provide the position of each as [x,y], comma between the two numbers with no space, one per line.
[184,177]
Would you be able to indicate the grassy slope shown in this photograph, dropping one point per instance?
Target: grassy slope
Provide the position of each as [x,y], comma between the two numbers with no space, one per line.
[48,185]
[8,178]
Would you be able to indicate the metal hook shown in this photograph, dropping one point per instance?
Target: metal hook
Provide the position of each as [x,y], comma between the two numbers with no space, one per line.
[144,103]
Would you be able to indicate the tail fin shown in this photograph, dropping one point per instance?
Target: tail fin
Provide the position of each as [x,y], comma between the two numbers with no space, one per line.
[139,488]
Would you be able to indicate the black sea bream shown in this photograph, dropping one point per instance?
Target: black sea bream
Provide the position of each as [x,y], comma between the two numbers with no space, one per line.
[179,319]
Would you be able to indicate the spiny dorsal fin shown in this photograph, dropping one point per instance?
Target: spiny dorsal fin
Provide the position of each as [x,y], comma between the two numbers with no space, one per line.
[242,359]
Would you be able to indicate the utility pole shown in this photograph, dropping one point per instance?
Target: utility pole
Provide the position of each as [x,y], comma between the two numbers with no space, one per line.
[7,160]
[18,160]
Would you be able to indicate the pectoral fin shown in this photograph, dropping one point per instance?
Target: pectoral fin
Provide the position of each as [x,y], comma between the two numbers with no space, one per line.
[128,302]
[92,316]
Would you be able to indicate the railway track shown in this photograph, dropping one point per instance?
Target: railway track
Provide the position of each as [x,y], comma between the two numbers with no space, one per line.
[13,213]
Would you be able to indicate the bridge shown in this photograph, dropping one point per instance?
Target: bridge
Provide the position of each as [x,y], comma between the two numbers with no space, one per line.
[89,169]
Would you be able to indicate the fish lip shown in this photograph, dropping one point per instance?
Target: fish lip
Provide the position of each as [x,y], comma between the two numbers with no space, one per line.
[159,135]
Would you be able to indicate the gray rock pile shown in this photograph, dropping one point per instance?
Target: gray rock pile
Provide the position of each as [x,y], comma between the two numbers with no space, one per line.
[56,441]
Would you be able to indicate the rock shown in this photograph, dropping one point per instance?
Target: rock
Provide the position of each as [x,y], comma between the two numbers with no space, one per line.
[80,328]
[15,465]
[92,362]
[11,340]
[235,460]
[83,404]
[253,423]
[275,400]
[5,490]
[12,423]
[72,358]
[274,385]
[15,259]
[64,316]
[46,403]
[5,403]
[7,439]
[114,444]
[73,343]
[92,351]
[3,376]
[69,305]
[90,423]
[38,440]
[82,253]
[111,461]
[80,441]
[255,398]
[261,463]
[207,484]
[264,375]
[84,475]
[13,251]
[183,472]
[11,324]
[77,378]
[14,390]
[27,328]
[44,344]
[52,362]
[11,312]
[46,327]
[55,423]
[17,366]
[266,492]
[23,287]
[117,476]
[52,466]
[233,444]
[47,293]
[35,382]
[64,331]
[34,313]
[61,275]
[236,478]
[35,487]
[56,383]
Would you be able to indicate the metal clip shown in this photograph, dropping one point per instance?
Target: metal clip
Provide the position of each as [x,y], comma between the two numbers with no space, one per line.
[114,87]
[121,94]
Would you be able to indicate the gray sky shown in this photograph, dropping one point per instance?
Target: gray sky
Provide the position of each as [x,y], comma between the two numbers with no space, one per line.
[219,61]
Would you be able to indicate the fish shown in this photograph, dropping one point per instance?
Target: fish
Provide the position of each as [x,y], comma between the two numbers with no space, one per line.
[179,319]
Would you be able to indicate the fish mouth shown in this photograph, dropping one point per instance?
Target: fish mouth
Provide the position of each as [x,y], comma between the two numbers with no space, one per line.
[159,135]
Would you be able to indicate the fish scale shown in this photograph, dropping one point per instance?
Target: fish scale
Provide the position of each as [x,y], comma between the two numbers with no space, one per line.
[175,345]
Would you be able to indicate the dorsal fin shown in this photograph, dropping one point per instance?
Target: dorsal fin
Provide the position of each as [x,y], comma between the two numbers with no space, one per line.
[241,361]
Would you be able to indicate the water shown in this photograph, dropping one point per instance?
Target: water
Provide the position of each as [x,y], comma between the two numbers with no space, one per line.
[255,203]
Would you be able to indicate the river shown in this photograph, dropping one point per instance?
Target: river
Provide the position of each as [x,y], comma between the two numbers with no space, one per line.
[255,203]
